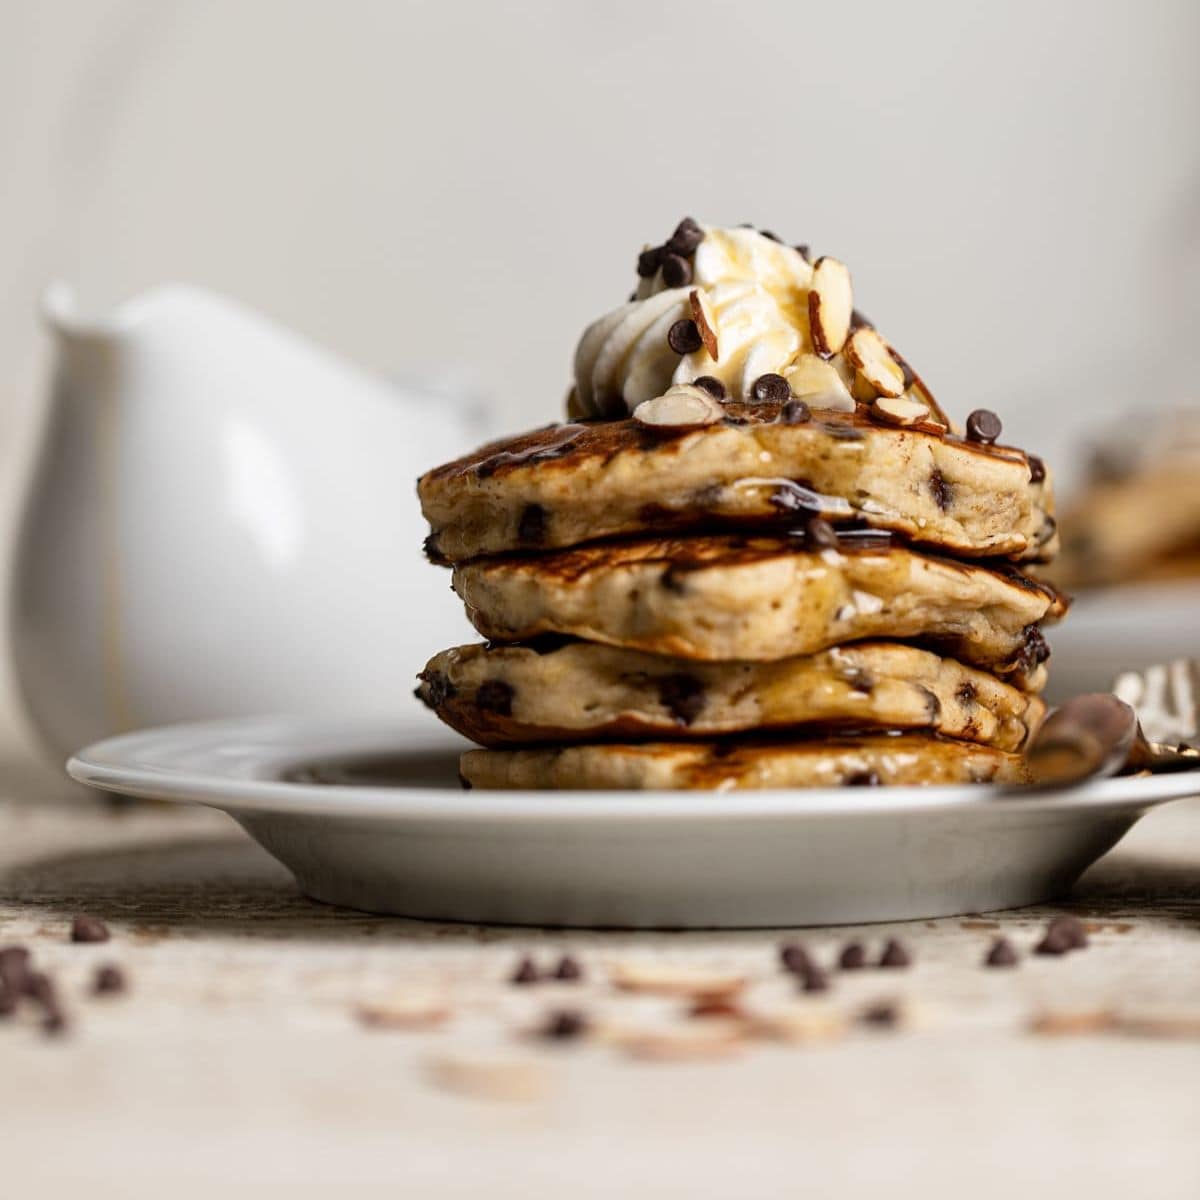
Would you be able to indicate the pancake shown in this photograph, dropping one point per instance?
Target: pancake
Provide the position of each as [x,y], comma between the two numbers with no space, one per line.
[568,484]
[761,599]
[902,759]
[579,691]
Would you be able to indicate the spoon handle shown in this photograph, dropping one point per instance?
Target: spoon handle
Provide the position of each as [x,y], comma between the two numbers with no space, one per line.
[1088,737]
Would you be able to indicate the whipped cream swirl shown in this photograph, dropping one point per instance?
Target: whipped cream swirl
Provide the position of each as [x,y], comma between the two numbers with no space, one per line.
[754,292]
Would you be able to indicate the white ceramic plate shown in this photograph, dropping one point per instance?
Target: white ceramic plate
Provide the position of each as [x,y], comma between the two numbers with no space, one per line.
[370,815]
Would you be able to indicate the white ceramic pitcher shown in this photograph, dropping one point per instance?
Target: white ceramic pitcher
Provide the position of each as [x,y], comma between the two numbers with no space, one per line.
[223,521]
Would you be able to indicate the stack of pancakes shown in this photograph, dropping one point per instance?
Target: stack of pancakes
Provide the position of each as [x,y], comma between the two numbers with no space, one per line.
[778,596]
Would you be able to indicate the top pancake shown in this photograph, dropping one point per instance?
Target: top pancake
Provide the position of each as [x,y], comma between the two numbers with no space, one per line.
[567,484]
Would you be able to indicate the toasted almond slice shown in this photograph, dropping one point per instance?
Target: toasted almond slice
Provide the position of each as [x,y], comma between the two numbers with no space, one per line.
[801,1023]
[712,1038]
[818,383]
[1057,1022]
[706,322]
[676,979]
[870,354]
[830,306]
[490,1074]
[683,406]
[862,389]
[896,410]
[405,1010]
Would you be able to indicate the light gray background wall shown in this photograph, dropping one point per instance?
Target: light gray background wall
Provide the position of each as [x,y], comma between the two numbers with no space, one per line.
[1016,186]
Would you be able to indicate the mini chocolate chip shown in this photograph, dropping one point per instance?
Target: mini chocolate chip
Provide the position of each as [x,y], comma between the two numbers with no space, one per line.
[687,236]
[676,271]
[860,680]
[852,957]
[821,534]
[531,528]
[526,972]
[813,979]
[863,779]
[564,1025]
[712,385]
[1002,954]
[884,1015]
[568,969]
[1072,928]
[649,261]
[860,320]
[54,1022]
[795,412]
[496,696]
[88,929]
[983,426]
[774,237]
[108,980]
[802,249]
[1036,650]
[1037,469]
[1055,942]
[894,955]
[673,580]
[684,336]
[942,492]
[794,957]
[682,695]
[771,388]
[966,693]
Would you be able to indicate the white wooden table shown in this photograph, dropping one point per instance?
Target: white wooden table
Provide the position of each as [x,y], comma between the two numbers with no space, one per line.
[237,1063]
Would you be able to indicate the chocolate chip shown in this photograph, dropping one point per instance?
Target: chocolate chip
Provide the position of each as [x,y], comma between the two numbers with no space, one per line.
[568,969]
[108,980]
[54,1022]
[941,489]
[983,426]
[1072,928]
[813,979]
[687,236]
[852,957]
[966,693]
[1002,954]
[673,580]
[712,385]
[684,336]
[860,320]
[495,696]
[894,955]
[1055,942]
[676,271]
[526,972]
[860,680]
[794,957]
[531,528]
[564,1025]
[821,534]
[88,929]
[649,261]
[771,388]
[795,412]
[863,779]
[884,1015]
[682,695]
[802,249]
[774,237]
[1037,469]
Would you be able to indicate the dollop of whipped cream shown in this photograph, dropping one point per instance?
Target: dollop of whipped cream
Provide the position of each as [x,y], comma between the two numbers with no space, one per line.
[752,293]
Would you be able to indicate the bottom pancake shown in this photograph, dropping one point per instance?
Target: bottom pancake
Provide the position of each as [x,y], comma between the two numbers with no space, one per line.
[584,692]
[879,759]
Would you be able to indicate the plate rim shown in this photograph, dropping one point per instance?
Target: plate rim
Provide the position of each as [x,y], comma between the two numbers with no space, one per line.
[106,765]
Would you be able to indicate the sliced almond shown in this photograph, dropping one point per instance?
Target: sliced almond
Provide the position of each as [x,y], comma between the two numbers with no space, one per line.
[805,1023]
[830,306]
[676,979]
[680,407]
[897,410]
[407,1010]
[491,1075]
[818,383]
[870,354]
[706,321]
[713,1038]
[862,388]
[1072,1021]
